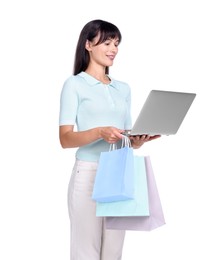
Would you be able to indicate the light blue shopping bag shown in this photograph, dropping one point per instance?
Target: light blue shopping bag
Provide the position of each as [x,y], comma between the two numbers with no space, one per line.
[139,206]
[114,179]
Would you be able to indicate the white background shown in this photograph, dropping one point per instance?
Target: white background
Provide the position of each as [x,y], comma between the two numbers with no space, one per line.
[170,45]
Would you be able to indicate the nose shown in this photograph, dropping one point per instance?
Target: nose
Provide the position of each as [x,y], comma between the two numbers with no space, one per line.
[114,48]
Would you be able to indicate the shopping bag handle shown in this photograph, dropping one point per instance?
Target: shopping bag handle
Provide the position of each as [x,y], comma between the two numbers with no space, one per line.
[125,142]
[112,147]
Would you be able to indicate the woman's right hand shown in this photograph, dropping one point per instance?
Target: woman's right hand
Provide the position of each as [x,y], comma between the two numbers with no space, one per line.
[71,139]
[111,134]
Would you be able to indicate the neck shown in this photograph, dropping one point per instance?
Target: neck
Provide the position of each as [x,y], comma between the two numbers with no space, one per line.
[99,75]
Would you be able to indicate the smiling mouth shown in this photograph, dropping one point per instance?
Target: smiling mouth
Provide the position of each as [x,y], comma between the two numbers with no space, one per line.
[111,57]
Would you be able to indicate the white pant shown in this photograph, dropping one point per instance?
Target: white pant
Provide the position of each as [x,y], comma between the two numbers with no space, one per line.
[89,238]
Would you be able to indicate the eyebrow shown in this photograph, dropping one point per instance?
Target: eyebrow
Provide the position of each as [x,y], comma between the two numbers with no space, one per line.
[110,39]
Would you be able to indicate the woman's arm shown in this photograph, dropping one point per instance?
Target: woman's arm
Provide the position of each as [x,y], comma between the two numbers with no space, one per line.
[71,139]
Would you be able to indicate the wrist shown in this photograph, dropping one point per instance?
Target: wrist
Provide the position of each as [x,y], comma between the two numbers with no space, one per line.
[134,145]
[99,132]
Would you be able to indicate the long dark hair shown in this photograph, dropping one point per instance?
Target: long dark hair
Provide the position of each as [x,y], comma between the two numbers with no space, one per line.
[89,32]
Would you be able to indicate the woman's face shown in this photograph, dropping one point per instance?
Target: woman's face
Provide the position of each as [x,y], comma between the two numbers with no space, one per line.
[104,53]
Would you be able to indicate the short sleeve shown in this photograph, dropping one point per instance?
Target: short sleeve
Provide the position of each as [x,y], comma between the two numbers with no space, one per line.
[68,103]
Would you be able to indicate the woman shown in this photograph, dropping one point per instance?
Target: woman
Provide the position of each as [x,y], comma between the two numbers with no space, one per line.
[94,112]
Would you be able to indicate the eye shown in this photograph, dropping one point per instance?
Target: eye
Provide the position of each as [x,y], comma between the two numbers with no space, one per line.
[107,42]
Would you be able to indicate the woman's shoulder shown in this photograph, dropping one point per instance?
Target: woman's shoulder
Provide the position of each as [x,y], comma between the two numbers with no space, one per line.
[73,82]
[72,79]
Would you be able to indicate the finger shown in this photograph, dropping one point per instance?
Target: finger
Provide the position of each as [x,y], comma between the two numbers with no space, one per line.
[154,137]
[147,138]
[112,141]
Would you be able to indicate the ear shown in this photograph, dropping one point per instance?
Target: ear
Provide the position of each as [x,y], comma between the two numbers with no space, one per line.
[88,45]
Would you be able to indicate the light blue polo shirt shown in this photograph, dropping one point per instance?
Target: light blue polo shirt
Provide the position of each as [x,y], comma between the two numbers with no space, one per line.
[87,103]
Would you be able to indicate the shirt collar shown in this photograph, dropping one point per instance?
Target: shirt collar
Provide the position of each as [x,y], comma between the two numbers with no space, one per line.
[93,81]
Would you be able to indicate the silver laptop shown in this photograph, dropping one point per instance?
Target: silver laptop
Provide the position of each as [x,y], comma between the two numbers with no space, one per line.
[162,113]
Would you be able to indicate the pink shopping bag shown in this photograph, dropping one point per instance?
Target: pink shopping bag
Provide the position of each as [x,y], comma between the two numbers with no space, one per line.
[142,223]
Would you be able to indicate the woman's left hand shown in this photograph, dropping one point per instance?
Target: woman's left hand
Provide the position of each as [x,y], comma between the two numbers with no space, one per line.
[138,140]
